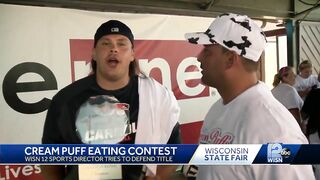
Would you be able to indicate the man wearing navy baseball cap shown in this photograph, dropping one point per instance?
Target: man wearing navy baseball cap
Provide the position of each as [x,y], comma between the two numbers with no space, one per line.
[247,113]
[113,27]
[115,104]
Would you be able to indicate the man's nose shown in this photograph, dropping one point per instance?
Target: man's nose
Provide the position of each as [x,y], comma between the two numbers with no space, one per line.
[113,48]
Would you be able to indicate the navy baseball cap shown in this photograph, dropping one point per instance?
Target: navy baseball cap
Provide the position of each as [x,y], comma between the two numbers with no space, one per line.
[113,27]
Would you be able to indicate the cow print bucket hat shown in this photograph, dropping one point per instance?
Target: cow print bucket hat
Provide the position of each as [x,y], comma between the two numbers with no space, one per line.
[235,32]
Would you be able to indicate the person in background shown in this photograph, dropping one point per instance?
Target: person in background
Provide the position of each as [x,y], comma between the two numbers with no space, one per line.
[305,80]
[116,104]
[247,112]
[285,93]
[311,109]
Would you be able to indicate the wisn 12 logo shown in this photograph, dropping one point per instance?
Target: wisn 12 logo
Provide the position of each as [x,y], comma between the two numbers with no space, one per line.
[276,153]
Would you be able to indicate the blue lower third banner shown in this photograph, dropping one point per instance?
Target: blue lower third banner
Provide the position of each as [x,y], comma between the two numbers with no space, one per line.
[204,154]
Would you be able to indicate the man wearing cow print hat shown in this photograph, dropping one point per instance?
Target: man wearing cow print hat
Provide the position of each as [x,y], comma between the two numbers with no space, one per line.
[247,113]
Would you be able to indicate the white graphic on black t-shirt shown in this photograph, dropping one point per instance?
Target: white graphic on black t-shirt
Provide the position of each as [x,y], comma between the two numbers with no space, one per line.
[103,120]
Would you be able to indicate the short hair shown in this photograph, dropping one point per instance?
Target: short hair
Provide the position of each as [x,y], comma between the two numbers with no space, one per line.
[249,65]
[304,65]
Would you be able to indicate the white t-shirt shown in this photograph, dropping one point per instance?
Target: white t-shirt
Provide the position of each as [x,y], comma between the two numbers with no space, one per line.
[254,117]
[288,96]
[302,84]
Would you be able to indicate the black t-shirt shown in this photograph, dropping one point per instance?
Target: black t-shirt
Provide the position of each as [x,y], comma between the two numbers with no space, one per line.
[311,107]
[60,126]
[127,95]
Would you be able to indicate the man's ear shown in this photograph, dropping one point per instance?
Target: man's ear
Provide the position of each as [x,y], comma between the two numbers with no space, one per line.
[232,57]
